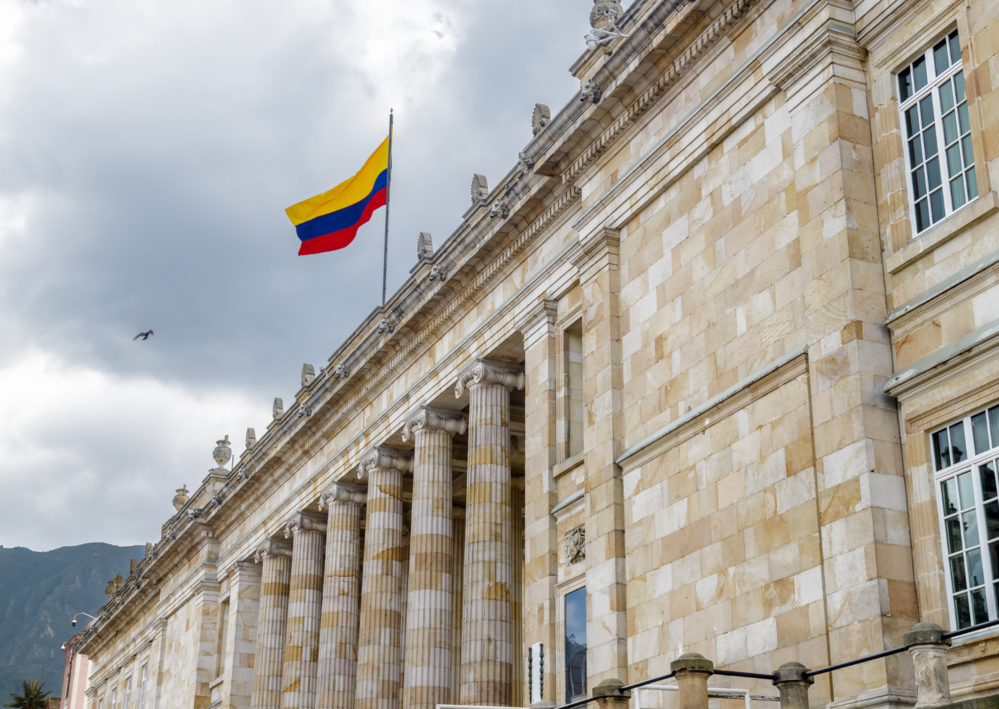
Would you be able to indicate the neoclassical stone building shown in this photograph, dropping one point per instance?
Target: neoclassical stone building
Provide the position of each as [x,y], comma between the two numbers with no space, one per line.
[713,369]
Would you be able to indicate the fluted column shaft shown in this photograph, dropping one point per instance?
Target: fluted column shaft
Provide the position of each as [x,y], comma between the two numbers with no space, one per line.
[272,625]
[428,620]
[301,652]
[379,651]
[336,680]
[487,619]
[457,593]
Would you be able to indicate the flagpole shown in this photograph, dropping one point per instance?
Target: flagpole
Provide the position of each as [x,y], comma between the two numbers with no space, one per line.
[388,199]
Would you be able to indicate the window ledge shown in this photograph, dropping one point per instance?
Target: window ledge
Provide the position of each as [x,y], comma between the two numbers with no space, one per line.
[216,682]
[567,466]
[943,232]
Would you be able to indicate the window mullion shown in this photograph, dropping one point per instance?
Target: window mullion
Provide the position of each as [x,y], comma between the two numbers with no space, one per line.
[942,149]
[946,554]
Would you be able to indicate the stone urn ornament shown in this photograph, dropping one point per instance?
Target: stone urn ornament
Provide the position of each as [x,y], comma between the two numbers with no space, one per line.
[222,452]
[180,499]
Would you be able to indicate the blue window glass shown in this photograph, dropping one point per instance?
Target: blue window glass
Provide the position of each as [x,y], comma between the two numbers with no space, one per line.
[575,645]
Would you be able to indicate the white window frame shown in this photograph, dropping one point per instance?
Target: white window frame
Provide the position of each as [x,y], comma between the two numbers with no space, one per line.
[971,464]
[142,687]
[934,81]
[561,592]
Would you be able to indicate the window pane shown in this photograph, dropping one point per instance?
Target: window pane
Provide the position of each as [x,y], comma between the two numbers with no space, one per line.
[994,422]
[930,143]
[992,519]
[966,488]
[980,432]
[946,97]
[972,184]
[926,110]
[976,576]
[958,579]
[957,192]
[915,151]
[922,214]
[919,182]
[941,451]
[933,173]
[994,555]
[954,159]
[937,205]
[950,128]
[949,488]
[969,156]
[940,58]
[919,73]
[969,521]
[987,474]
[962,611]
[958,449]
[954,535]
[904,85]
[955,48]
[912,121]
[979,605]
[575,644]
[959,85]
[962,112]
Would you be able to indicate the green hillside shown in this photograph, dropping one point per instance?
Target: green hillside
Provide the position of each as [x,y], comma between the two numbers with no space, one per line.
[39,593]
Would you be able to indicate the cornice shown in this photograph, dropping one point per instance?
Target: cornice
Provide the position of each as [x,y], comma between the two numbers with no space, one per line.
[946,364]
[538,321]
[600,251]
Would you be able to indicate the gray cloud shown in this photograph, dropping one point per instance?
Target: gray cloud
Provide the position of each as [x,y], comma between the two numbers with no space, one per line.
[147,152]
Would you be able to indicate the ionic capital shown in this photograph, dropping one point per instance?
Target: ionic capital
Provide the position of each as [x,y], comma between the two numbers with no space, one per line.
[485,372]
[383,458]
[301,521]
[338,492]
[428,419]
[269,548]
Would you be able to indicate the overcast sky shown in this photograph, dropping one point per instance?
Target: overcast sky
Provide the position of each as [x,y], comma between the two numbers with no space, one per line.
[147,153]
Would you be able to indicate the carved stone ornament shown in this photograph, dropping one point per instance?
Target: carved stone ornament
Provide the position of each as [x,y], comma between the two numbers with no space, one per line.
[300,521]
[277,411]
[499,210]
[338,492]
[591,92]
[216,500]
[181,498]
[483,372]
[386,326]
[308,374]
[434,419]
[222,452]
[304,411]
[269,547]
[438,272]
[574,545]
[424,246]
[251,438]
[541,117]
[193,513]
[342,371]
[603,19]
[243,473]
[480,188]
[524,165]
[382,458]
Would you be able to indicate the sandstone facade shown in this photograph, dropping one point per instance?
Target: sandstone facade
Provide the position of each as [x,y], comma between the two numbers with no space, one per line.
[718,351]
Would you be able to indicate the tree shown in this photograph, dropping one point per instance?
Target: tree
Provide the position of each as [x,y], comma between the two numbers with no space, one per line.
[33,697]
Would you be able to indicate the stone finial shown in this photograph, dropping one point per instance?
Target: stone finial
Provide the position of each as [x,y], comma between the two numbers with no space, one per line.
[308,374]
[222,452]
[424,246]
[434,419]
[792,683]
[383,458]
[149,547]
[181,498]
[480,188]
[541,117]
[251,438]
[277,411]
[591,92]
[484,372]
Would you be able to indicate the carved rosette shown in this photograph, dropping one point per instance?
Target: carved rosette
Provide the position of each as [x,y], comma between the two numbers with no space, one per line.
[338,492]
[300,521]
[483,372]
[269,547]
[383,458]
[436,420]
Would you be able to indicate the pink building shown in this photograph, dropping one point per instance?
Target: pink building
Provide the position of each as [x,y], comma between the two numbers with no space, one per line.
[75,676]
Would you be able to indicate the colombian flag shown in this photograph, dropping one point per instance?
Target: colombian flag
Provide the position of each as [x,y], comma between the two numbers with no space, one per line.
[330,221]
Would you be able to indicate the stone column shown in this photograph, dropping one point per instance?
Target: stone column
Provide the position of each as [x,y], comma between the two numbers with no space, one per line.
[379,651]
[244,612]
[603,386]
[457,593]
[540,552]
[272,624]
[428,620]
[305,598]
[929,648]
[692,671]
[336,678]
[793,684]
[404,595]
[487,618]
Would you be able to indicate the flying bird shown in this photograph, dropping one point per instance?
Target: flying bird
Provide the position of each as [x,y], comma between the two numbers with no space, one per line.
[143,335]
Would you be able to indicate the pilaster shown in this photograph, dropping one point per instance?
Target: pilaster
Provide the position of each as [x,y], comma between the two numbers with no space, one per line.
[244,605]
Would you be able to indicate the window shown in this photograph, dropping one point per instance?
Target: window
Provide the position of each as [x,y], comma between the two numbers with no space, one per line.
[142,688]
[220,644]
[575,645]
[128,694]
[966,460]
[114,699]
[937,132]
[569,430]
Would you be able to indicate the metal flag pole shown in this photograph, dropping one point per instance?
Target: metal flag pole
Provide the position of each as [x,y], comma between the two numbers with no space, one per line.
[388,200]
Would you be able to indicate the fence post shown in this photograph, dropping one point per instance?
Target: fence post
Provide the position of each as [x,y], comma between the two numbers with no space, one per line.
[691,672]
[608,697]
[792,684]
[928,648]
